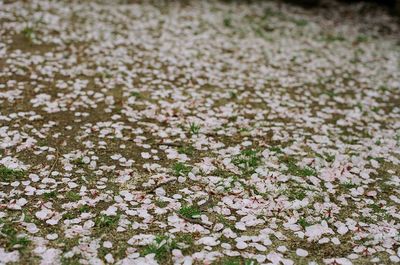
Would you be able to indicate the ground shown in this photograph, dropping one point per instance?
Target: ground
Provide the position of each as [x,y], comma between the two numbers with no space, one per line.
[198,132]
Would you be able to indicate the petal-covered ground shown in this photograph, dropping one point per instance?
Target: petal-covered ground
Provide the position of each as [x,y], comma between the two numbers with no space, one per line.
[198,132]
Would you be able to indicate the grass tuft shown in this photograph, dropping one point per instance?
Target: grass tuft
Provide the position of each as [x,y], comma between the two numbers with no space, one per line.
[8,174]
[235,261]
[72,196]
[78,162]
[28,33]
[50,195]
[181,169]
[248,160]
[10,237]
[295,194]
[187,150]
[161,247]
[194,128]
[348,185]
[190,211]
[303,223]
[103,221]
[296,170]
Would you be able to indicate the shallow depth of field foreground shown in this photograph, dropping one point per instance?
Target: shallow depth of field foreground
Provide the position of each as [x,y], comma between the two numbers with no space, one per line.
[199,132]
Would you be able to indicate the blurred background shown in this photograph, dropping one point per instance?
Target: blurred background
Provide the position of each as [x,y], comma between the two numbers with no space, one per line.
[393,6]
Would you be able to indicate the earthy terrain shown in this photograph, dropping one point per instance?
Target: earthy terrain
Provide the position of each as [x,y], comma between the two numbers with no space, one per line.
[198,132]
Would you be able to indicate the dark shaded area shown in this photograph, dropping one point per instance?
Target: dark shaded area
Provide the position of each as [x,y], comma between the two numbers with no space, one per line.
[389,3]
[392,5]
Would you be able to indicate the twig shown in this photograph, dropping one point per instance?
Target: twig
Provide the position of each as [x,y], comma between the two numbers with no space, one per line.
[54,164]
[152,189]
[193,221]
[206,203]
[171,144]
